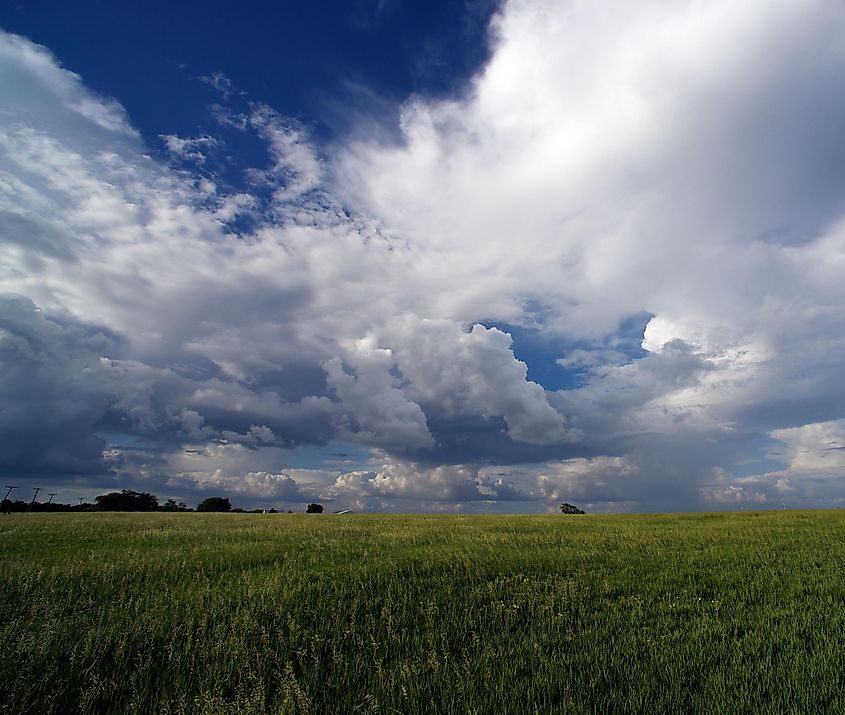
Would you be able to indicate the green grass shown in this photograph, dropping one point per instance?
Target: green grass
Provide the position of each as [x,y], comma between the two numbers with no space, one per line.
[194,613]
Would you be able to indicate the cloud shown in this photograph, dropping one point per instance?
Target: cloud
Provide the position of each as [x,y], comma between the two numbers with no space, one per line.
[376,410]
[815,448]
[663,176]
[190,149]
[55,386]
[599,183]
[611,161]
[474,372]
[33,74]
[809,471]
[207,468]
[219,82]
[397,485]
[295,167]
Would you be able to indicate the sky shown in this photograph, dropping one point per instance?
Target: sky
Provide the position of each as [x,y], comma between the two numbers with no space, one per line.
[459,256]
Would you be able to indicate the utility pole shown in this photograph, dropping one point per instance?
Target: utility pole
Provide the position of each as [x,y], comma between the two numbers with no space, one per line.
[36,490]
[52,494]
[6,501]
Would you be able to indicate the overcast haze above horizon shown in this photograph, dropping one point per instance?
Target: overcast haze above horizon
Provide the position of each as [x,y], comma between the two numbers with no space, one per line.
[476,257]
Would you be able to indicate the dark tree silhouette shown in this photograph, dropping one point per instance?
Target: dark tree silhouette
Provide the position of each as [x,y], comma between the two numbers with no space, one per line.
[126,500]
[215,504]
[314,509]
[568,508]
[173,505]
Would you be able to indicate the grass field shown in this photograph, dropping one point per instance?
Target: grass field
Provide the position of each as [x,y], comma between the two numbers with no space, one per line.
[204,613]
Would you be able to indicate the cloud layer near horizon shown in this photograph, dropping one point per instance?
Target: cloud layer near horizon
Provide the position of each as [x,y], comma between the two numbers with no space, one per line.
[163,329]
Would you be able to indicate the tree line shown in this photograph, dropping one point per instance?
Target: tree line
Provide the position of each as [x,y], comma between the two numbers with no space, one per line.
[130,500]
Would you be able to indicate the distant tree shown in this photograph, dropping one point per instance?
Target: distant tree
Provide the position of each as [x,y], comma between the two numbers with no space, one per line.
[51,506]
[173,505]
[16,505]
[214,504]
[568,508]
[7,506]
[314,509]
[126,500]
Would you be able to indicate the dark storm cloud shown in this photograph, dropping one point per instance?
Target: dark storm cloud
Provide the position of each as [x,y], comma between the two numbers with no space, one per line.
[54,389]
